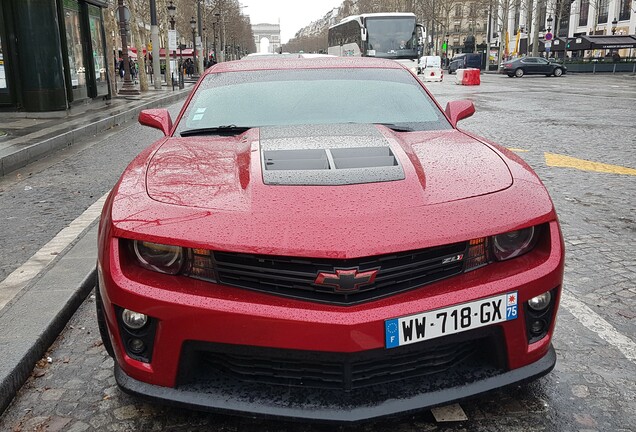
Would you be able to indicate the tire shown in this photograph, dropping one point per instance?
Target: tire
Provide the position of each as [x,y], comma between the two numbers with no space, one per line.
[519,73]
[101,323]
[558,72]
[511,75]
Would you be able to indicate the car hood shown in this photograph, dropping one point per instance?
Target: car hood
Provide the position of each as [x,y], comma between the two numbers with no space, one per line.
[213,192]
[363,168]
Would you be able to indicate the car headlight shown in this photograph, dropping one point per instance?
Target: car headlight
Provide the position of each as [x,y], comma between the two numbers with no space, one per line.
[514,243]
[159,257]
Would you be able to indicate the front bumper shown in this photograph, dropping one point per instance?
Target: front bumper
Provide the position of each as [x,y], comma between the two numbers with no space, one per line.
[324,407]
[190,311]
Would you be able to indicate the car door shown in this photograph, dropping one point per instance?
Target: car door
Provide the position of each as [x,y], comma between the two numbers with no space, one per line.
[530,65]
[544,66]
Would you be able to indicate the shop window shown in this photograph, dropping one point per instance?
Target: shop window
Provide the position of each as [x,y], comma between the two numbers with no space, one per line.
[97,46]
[4,65]
[3,74]
[77,67]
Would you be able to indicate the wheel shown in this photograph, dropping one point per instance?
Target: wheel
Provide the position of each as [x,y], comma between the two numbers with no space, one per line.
[101,323]
[511,75]
[519,73]
[558,72]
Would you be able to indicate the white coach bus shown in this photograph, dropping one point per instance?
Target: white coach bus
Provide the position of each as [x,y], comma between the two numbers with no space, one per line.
[386,35]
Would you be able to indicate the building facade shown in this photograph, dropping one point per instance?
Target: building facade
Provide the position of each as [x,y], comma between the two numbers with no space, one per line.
[52,54]
[565,20]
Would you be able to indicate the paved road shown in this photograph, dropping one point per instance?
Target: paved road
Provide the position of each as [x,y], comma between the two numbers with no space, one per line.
[577,132]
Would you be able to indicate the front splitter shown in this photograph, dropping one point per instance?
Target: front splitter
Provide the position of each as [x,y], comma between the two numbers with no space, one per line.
[243,403]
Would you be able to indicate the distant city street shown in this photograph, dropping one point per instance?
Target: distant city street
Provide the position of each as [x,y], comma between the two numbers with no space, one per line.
[576,131]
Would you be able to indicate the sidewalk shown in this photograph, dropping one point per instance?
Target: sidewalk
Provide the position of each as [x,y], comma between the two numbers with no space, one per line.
[31,136]
[38,299]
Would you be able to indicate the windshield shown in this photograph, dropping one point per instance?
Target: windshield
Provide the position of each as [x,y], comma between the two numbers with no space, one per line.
[392,37]
[312,96]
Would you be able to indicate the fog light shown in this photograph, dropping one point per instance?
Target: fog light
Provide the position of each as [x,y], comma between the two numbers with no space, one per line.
[136,346]
[540,302]
[134,320]
[537,327]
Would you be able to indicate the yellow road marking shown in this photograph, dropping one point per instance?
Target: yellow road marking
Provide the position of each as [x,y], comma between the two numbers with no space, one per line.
[557,160]
[517,150]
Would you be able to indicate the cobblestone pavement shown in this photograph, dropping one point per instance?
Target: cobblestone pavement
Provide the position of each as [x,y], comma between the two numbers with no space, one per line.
[588,118]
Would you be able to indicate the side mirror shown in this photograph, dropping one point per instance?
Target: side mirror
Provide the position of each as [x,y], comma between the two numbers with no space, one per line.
[458,110]
[156,118]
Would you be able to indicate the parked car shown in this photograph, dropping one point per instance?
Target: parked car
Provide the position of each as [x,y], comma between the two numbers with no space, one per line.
[532,66]
[463,61]
[430,68]
[316,239]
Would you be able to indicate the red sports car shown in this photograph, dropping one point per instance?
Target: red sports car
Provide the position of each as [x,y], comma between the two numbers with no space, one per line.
[315,239]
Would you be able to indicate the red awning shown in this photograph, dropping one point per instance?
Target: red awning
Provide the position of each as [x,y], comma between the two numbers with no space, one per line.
[187,52]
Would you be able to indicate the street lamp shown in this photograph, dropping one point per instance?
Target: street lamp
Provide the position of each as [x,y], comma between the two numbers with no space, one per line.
[549,23]
[124,15]
[193,24]
[614,26]
[447,62]
[172,11]
[214,40]
[206,51]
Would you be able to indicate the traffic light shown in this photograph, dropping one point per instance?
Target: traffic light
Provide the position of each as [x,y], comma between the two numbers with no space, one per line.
[444,46]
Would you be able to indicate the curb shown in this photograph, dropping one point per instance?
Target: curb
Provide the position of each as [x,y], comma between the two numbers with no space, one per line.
[24,155]
[30,323]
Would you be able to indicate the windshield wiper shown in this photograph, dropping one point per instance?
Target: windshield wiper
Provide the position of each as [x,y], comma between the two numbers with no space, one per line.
[229,130]
[396,127]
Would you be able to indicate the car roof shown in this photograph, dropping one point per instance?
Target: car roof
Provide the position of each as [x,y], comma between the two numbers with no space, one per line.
[269,63]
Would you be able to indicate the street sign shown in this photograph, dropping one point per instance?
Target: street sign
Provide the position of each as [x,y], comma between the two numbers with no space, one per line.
[548,45]
[172,40]
[548,36]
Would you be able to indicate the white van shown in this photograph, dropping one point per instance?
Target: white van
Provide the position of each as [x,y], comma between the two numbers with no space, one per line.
[430,68]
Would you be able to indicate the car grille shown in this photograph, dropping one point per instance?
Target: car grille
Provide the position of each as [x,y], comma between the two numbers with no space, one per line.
[329,371]
[295,277]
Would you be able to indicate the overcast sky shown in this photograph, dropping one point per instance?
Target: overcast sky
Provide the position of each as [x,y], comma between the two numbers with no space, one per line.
[292,14]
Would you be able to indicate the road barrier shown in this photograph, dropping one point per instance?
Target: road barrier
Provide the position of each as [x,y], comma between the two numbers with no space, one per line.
[471,77]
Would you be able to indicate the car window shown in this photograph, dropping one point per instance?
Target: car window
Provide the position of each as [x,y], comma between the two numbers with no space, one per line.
[312,96]
[529,60]
[542,61]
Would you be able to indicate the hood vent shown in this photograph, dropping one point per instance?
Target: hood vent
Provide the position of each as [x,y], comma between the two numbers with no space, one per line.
[327,155]
[343,158]
[340,166]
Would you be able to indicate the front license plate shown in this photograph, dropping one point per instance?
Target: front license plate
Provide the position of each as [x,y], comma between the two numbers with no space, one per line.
[454,319]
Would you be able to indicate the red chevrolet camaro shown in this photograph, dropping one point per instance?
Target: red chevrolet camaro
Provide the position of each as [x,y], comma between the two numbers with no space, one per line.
[315,239]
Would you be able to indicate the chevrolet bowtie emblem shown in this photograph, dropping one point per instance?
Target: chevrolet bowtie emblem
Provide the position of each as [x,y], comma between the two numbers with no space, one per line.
[346,280]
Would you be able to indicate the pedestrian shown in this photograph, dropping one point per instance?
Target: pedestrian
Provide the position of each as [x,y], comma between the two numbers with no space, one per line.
[122,69]
[133,70]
